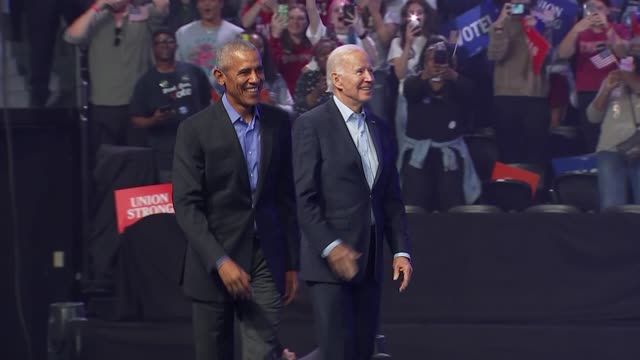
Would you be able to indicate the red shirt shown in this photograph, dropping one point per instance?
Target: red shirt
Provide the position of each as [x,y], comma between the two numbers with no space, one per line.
[290,63]
[588,76]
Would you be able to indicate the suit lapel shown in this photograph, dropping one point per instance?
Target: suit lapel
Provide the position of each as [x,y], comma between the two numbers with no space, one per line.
[372,124]
[266,144]
[229,132]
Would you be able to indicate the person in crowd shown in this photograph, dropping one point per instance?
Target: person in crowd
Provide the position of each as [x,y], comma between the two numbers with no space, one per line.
[311,89]
[615,110]
[234,198]
[168,93]
[289,45]
[275,91]
[199,41]
[258,14]
[437,170]
[118,36]
[182,12]
[417,26]
[345,25]
[590,42]
[348,196]
[381,20]
[522,114]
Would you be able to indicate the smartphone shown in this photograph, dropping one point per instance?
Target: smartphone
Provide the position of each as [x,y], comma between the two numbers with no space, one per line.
[588,9]
[518,9]
[441,57]
[348,11]
[164,108]
[283,11]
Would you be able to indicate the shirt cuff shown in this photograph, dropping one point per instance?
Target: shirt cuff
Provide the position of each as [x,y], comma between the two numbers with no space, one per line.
[403,254]
[331,246]
[220,261]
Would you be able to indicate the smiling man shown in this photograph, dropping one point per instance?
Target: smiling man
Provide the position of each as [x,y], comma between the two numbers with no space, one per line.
[168,93]
[234,199]
[348,199]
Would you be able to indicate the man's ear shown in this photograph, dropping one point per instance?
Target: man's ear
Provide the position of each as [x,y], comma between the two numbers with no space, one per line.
[219,76]
[335,79]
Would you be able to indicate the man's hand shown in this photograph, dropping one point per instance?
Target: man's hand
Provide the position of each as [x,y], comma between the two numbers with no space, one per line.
[402,265]
[290,286]
[159,116]
[235,279]
[342,260]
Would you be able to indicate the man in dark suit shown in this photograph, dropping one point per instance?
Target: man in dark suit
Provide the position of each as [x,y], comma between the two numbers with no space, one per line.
[234,199]
[348,199]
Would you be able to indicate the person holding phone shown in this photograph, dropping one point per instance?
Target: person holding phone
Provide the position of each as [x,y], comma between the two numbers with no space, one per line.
[165,95]
[521,105]
[289,45]
[443,176]
[418,22]
[590,36]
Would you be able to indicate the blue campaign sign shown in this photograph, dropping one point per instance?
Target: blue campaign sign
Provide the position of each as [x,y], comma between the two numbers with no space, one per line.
[575,164]
[556,18]
[473,28]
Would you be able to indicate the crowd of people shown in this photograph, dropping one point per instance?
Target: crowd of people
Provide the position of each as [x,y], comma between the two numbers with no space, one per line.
[174,75]
[151,66]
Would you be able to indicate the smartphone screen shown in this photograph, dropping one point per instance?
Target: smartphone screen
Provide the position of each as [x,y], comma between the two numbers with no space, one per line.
[517,9]
[283,11]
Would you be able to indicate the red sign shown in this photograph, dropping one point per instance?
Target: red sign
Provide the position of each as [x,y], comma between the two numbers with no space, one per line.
[135,203]
[504,171]
[538,47]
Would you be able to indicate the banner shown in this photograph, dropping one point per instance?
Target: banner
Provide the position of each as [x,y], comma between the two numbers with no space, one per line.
[538,47]
[555,18]
[473,28]
[575,164]
[135,203]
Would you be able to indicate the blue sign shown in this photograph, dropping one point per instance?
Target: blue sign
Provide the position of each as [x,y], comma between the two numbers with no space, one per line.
[575,164]
[555,18]
[473,28]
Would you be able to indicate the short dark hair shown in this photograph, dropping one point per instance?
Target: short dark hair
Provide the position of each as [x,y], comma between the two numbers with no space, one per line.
[165,31]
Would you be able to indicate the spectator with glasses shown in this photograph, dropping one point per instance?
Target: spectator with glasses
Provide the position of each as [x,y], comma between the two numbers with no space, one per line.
[168,93]
[118,36]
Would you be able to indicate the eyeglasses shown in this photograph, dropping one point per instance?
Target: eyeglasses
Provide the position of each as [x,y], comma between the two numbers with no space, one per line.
[118,37]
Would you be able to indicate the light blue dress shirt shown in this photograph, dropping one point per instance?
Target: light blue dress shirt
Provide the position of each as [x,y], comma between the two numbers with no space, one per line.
[359,131]
[249,138]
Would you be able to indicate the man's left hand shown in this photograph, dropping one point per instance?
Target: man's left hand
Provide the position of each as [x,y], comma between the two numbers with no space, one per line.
[402,265]
[290,286]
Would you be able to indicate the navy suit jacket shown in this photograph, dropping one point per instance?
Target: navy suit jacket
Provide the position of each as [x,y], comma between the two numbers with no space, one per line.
[213,204]
[333,198]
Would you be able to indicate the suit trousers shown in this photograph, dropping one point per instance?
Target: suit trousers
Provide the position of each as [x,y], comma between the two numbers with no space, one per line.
[346,315]
[259,318]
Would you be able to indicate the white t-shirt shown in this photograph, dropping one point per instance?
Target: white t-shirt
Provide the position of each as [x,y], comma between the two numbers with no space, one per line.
[395,52]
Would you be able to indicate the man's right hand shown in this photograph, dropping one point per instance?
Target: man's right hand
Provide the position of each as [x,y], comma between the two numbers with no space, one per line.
[235,279]
[342,260]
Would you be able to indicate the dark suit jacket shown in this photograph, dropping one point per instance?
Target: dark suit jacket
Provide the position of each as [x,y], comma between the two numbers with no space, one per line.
[212,199]
[333,198]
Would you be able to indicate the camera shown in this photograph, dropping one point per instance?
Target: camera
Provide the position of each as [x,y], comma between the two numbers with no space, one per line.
[519,9]
[441,56]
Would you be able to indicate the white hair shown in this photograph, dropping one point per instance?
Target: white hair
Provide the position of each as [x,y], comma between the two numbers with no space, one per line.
[336,60]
